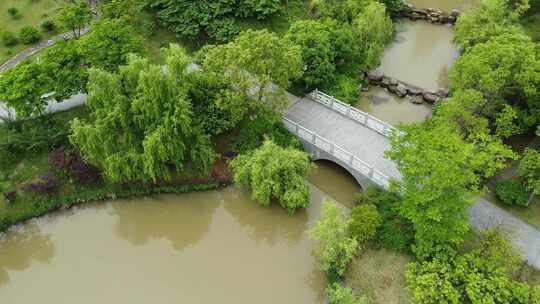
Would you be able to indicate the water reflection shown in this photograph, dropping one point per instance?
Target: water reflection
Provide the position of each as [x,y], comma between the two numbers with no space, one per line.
[271,224]
[181,220]
[392,109]
[207,247]
[421,54]
[21,247]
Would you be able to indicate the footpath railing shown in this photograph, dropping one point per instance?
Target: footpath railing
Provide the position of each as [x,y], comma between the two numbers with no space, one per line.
[363,118]
[336,151]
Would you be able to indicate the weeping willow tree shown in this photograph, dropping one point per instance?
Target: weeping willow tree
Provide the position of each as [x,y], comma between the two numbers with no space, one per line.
[141,123]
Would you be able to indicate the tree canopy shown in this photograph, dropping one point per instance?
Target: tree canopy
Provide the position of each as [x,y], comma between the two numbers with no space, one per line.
[74,16]
[261,65]
[141,122]
[491,18]
[482,275]
[439,174]
[273,172]
[211,18]
[109,43]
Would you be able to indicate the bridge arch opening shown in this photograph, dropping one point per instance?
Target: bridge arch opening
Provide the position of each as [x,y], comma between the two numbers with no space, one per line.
[335,180]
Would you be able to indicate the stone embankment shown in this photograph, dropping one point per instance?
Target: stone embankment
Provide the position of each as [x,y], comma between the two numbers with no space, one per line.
[429,14]
[402,89]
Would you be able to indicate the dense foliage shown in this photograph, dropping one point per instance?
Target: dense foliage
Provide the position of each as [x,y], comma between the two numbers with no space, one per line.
[480,276]
[108,44]
[142,121]
[511,193]
[365,220]
[395,232]
[211,18]
[273,172]
[529,170]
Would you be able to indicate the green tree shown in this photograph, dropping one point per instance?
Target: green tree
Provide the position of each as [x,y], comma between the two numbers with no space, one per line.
[365,220]
[336,246]
[438,170]
[318,51]
[23,87]
[133,11]
[142,122]
[505,70]
[529,170]
[65,67]
[261,65]
[468,112]
[338,294]
[482,275]
[375,29]
[74,16]
[273,172]
[109,43]
[505,66]
[341,10]
[490,19]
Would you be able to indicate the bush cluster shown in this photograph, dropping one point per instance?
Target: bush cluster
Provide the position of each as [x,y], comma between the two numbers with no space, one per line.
[29,35]
[8,38]
[253,133]
[511,193]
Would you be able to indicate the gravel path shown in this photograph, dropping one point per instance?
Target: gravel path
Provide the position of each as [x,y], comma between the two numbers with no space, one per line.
[485,215]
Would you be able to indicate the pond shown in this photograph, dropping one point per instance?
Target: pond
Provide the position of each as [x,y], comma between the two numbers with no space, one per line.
[392,109]
[205,247]
[421,54]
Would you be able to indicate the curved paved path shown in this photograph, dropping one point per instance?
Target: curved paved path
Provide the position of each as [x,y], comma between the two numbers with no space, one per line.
[24,54]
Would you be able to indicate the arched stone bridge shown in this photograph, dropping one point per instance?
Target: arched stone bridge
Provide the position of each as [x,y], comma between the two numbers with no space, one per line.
[332,130]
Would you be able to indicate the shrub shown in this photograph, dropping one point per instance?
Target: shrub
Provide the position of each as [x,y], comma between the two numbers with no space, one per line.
[83,172]
[338,294]
[8,38]
[10,196]
[48,26]
[395,232]
[365,220]
[273,172]
[29,35]
[47,185]
[70,164]
[511,193]
[346,89]
[13,12]
[253,133]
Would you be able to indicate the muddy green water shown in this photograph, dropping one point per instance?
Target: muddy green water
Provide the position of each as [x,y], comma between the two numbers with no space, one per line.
[421,54]
[207,247]
[392,109]
[444,5]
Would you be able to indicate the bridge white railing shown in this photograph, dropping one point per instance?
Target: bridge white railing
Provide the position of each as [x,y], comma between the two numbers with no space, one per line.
[363,118]
[336,151]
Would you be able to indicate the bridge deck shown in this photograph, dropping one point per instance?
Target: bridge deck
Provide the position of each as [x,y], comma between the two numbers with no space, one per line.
[356,138]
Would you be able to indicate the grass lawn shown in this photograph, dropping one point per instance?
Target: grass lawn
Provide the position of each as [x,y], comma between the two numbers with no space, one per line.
[379,274]
[31,13]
